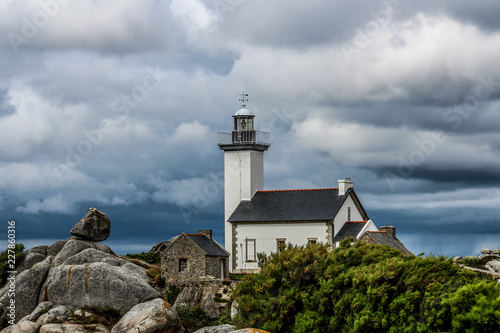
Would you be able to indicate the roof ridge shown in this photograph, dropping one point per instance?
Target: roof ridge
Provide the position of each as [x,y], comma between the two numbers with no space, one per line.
[306,189]
[357,222]
[195,235]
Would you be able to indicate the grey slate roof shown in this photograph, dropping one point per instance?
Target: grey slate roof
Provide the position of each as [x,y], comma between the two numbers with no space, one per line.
[290,205]
[349,229]
[210,247]
[384,238]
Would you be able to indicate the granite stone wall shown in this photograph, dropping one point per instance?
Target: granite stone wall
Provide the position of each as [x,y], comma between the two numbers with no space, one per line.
[183,248]
[213,266]
[184,261]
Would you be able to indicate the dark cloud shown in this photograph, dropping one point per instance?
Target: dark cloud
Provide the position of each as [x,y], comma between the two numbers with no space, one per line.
[5,107]
[118,108]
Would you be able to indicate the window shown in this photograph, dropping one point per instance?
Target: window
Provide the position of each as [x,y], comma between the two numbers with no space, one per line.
[280,244]
[183,263]
[348,213]
[312,240]
[251,250]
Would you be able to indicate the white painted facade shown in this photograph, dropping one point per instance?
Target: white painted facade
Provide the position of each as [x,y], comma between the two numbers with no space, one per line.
[343,214]
[243,176]
[266,236]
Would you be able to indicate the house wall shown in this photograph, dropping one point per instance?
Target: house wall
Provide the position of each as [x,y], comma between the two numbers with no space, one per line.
[213,267]
[266,235]
[341,217]
[186,249]
[243,176]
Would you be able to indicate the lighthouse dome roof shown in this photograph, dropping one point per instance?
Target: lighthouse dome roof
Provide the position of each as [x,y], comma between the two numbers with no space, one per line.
[243,111]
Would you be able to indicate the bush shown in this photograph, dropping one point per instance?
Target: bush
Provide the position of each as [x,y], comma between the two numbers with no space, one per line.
[155,274]
[358,288]
[235,277]
[475,308]
[471,261]
[172,293]
[5,256]
[194,318]
[149,257]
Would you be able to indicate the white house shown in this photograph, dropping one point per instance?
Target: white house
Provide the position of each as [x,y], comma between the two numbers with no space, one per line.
[264,221]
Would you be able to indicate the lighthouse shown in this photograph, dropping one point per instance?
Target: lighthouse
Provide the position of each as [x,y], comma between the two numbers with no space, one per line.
[244,149]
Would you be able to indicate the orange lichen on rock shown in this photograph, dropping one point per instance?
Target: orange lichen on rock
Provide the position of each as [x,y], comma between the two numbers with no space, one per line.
[166,307]
[86,276]
[46,293]
[69,275]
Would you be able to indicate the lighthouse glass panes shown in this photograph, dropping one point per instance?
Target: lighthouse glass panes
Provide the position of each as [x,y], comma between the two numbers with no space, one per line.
[245,124]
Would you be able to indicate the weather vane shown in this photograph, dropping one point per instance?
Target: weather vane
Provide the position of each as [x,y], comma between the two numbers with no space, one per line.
[243,99]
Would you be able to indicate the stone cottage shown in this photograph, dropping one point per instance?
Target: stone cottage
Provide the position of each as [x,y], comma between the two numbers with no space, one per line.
[385,236]
[194,257]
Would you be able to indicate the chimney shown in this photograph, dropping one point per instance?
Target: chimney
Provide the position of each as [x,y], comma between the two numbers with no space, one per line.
[390,230]
[207,233]
[344,185]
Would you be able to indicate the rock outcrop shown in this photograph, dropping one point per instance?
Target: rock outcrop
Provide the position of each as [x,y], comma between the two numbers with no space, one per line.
[217,329]
[24,327]
[95,226]
[212,297]
[65,280]
[249,330]
[493,265]
[27,287]
[150,317]
[29,261]
[41,309]
[98,285]
[60,328]
[75,246]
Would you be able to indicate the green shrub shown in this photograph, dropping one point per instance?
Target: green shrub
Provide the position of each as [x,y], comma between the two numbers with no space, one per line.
[235,277]
[194,318]
[5,256]
[357,288]
[224,319]
[172,293]
[149,257]
[153,272]
[218,298]
[475,308]
[471,261]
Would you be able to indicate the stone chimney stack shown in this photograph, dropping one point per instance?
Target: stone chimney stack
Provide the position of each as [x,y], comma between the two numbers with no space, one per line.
[207,233]
[344,185]
[389,229]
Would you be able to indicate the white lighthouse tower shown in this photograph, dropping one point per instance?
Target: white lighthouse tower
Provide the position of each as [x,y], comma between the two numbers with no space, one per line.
[243,166]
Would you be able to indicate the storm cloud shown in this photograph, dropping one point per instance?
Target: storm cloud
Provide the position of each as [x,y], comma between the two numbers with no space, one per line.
[117,104]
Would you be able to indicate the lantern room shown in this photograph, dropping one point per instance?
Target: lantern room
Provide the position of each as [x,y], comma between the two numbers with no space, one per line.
[243,119]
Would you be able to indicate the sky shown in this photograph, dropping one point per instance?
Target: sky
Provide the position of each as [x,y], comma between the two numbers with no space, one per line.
[117,104]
